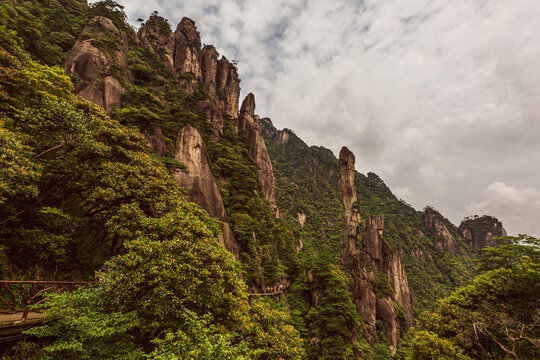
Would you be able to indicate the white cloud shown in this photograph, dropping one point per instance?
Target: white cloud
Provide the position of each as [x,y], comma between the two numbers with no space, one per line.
[439,98]
[519,206]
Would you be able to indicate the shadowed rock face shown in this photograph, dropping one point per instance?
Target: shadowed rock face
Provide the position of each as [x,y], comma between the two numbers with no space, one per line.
[199,182]
[445,239]
[351,229]
[480,231]
[228,87]
[88,62]
[154,138]
[371,252]
[257,150]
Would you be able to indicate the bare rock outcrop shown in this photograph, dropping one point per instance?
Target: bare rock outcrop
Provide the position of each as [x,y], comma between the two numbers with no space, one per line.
[209,63]
[88,60]
[157,37]
[199,182]
[228,87]
[187,47]
[435,223]
[352,224]
[214,116]
[371,261]
[154,138]
[479,232]
[248,123]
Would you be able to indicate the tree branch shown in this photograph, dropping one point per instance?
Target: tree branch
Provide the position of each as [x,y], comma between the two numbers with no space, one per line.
[50,149]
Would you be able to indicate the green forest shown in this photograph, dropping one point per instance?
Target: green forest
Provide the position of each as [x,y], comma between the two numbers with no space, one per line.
[83,197]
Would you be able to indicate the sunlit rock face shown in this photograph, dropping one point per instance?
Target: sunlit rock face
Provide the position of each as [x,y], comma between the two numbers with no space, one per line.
[90,62]
[199,182]
[257,149]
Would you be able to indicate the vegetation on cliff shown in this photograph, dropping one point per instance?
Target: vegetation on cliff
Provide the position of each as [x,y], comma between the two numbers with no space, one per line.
[79,189]
[77,186]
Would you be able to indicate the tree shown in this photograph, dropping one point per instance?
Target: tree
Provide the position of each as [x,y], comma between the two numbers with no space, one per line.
[499,314]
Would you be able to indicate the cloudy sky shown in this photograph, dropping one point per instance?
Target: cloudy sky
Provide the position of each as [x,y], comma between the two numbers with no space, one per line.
[439,98]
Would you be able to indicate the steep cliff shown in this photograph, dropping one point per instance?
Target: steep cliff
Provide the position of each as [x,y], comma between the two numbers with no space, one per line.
[257,149]
[185,101]
[157,37]
[181,53]
[199,182]
[479,232]
[98,53]
[372,264]
[441,230]
[352,225]
[187,49]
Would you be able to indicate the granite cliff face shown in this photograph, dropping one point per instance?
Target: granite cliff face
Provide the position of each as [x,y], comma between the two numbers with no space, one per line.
[248,123]
[352,226]
[93,60]
[371,262]
[187,50]
[89,59]
[479,232]
[199,182]
[435,223]
[158,39]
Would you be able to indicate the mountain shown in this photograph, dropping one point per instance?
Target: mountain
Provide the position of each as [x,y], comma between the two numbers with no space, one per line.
[144,158]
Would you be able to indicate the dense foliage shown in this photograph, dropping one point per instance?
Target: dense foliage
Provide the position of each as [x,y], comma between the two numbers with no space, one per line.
[323,311]
[497,317]
[79,189]
[308,185]
[76,187]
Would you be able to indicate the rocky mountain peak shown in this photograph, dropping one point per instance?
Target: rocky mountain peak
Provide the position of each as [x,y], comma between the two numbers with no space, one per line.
[187,46]
[371,260]
[187,29]
[479,231]
[248,123]
[248,105]
[156,36]
[88,60]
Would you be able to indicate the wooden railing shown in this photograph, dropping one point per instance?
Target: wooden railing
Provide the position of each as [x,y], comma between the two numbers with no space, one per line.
[25,296]
[272,292]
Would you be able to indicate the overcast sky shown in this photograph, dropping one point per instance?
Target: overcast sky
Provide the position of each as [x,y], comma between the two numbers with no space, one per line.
[440,98]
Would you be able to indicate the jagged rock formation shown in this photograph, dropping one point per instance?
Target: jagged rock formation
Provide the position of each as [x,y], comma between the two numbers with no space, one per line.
[479,232]
[228,86]
[199,182]
[156,37]
[182,54]
[352,225]
[93,61]
[248,123]
[435,223]
[89,59]
[372,263]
